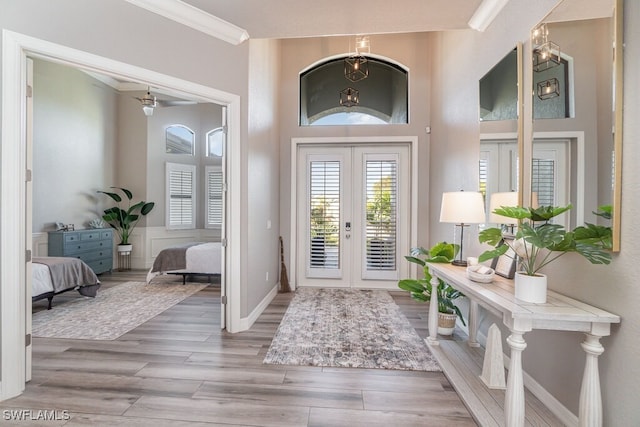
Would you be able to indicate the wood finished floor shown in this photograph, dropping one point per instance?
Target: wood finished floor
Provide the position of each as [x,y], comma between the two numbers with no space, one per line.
[179,369]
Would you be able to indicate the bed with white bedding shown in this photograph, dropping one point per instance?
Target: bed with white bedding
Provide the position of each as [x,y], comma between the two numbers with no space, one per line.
[54,275]
[188,259]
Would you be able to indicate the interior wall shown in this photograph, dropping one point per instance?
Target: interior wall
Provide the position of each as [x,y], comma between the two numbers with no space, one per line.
[554,359]
[200,118]
[263,172]
[410,50]
[120,31]
[74,140]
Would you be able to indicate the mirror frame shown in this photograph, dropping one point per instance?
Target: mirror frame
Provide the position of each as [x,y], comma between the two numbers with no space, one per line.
[618,39]
[525,148]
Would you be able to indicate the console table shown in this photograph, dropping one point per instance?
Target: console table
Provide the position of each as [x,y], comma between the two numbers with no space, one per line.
[560,313]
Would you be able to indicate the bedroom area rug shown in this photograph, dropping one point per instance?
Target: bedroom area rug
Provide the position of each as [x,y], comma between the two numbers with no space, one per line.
[112,313]
[348,328]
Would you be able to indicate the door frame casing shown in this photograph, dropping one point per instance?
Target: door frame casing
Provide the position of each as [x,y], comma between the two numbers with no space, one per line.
[412,141]
[15,49]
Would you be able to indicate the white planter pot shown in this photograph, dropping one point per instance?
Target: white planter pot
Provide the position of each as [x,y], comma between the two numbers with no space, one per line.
[446,323]
[125,249]
[531,288]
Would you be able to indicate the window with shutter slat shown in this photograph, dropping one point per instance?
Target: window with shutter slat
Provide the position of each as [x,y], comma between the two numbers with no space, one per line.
[214,206]
[181,196]
[324,208]
[543,181]
[381,214]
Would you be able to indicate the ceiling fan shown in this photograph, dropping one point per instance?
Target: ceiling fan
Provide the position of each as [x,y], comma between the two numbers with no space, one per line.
[150,102]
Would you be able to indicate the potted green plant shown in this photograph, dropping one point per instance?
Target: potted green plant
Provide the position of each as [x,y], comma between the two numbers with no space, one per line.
[421,289]
[538,242]
[124,219]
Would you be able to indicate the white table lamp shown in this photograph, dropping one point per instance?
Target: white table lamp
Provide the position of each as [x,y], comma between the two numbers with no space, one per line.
[462,208]
[499,200]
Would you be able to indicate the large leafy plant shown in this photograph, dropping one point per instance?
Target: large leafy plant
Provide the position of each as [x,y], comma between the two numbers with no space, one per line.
[421,289]
[538,241]
[121,219]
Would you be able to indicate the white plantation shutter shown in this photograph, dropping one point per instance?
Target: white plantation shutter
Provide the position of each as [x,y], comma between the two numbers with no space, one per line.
[181,196]
[214,184]
[543,181]
[381,213]
[324,208]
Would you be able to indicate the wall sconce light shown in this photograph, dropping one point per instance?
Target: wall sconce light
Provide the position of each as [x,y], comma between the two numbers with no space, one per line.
[462,208]
[349,97]
[548,89]
[148,103]
[546,56]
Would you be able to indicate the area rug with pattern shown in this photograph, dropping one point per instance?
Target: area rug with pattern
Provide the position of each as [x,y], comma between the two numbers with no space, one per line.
[112,313]
[348,328]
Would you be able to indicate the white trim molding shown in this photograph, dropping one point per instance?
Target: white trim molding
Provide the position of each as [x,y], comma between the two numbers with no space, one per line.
[247,322]
[486,13]
[195,18]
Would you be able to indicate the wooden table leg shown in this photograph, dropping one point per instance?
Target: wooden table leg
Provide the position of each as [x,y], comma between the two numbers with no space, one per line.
[433,311]
[590,396]
[473,324]
[514,396]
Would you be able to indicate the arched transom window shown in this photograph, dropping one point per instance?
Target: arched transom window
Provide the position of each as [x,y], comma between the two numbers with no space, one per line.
[382,95]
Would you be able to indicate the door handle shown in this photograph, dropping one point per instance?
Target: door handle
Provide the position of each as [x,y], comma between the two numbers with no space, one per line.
[347,226]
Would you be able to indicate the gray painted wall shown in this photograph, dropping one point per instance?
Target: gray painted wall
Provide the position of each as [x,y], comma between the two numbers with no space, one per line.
[74,143]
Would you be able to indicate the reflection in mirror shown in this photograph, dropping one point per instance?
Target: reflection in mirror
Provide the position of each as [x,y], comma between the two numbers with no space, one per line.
[179,140]
[499,90]
[574,150]
[498,168]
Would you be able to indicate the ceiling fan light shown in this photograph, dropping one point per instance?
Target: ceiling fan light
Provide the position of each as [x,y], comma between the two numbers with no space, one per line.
[148,111]
[148,104]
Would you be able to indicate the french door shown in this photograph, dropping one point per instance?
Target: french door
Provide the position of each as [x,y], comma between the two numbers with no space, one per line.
[353,216]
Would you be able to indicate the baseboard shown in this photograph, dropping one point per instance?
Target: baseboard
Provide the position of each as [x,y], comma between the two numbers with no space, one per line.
[247,322]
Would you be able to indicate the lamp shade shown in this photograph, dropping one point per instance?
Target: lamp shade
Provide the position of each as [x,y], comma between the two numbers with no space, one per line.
[502,199]
[462,207]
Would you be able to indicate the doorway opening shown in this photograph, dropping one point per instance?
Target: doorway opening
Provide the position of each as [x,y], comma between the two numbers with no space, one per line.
[15,247]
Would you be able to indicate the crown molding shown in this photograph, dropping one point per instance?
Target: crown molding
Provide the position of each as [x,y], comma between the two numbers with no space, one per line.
[486,13]
[199,20]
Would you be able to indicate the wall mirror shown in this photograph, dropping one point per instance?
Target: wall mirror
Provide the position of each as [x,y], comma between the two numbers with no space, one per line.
[499,90]
[577,77]
[501,130]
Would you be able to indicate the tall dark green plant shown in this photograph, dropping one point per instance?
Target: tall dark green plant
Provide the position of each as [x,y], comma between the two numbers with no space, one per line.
[421,289]
[124,221]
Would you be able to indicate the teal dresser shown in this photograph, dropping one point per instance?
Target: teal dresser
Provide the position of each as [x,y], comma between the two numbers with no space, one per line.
[93,246]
